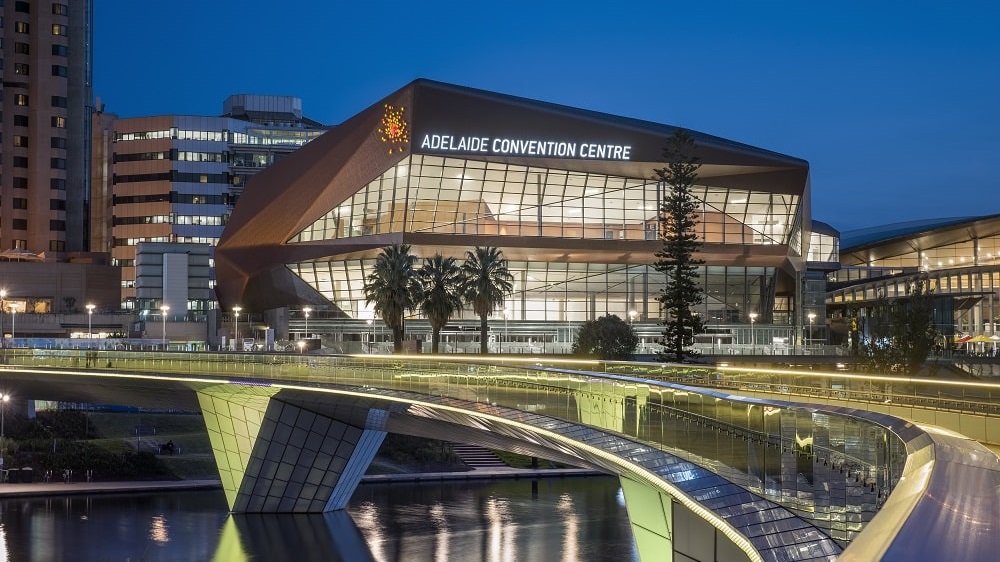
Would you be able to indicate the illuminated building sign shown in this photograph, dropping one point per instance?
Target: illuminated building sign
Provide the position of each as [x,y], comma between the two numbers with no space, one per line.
[509,146]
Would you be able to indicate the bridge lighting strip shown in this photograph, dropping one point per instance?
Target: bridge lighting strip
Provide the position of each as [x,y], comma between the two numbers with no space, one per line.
[880,378]
[650,477]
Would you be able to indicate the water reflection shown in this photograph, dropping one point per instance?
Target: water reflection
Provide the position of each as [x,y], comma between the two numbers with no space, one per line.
[494,521]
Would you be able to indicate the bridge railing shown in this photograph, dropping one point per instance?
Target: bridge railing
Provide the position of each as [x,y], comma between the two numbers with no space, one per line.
[834,470]
[956,395]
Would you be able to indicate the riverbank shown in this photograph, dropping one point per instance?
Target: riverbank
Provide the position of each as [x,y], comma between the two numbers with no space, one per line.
[18,490]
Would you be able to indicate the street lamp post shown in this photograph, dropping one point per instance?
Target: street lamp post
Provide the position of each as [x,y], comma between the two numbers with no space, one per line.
[4,398]
[371,342]
[163,316]
[306,311]
[3,295]
[90,323]
[506,332]
[812,317]
[753,340]
[13,314]
[236,327]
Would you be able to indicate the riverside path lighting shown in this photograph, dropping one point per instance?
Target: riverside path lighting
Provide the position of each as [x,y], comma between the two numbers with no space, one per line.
[236,328]
[163,316]
[302,346]
[90,322]
[753,340]
[306,311]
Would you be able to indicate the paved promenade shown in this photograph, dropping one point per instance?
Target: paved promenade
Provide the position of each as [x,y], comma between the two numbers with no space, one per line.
[62,488]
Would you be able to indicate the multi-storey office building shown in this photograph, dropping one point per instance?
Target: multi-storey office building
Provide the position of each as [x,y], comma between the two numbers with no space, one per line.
[566,193]
[46,50]
[175,178]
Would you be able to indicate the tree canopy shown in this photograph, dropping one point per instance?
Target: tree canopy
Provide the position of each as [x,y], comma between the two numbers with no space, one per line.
[486,284]
[392,288]
[609,337]
[678,217]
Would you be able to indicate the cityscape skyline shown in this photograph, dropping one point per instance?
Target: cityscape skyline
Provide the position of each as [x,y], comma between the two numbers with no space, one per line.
[879,99]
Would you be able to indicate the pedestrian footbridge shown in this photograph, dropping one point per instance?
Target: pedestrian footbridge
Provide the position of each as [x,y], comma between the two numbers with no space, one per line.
[707,475]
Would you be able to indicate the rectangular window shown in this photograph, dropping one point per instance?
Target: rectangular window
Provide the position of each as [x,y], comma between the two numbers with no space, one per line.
[20,120]
[57,183]
[21,26]
[59,122]
[19,245]
[57,142]
[57,246]
[59,101]
[22,49]
[59,70]
[60,50]
[21,100]
[22,7]
[21,68]
[57,225]
[60,9]
[20,224]
[57,163]
[58,29]
[20,203]
[20,183]
[20,161]
[57,204]
[21,140]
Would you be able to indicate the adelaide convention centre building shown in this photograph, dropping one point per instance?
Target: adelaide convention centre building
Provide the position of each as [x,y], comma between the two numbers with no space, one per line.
[567,195]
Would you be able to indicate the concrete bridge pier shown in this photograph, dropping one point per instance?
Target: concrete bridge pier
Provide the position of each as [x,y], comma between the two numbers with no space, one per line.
[279,456]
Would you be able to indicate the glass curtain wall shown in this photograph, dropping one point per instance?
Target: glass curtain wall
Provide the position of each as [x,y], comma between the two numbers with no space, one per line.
[569,292]
[454,196]
[439,195]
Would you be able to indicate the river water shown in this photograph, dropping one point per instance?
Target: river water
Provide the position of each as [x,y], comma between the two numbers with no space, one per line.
[548,520]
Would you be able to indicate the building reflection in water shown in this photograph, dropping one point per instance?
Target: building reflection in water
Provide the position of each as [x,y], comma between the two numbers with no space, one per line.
[558,519]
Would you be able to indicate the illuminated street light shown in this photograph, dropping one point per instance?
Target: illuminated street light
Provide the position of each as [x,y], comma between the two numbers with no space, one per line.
[3,295]
[632,314]
[753,340]
[812,317]
[306,311]
[90,322]
[236,330]
[506,332]
[13,315]
[163,315]
[4,398]
[302,346]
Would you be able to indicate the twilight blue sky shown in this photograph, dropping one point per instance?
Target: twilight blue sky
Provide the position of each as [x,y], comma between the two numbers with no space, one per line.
[895,104]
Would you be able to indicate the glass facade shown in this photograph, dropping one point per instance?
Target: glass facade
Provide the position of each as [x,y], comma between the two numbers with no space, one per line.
[569,292]
[440,195]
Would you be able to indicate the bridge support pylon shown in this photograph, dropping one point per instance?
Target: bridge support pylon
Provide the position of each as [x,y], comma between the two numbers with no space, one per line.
[651,516]
[276,456]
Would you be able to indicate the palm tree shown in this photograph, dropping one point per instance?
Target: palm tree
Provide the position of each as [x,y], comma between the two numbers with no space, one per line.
[440,280]
[392,288]
[487,282]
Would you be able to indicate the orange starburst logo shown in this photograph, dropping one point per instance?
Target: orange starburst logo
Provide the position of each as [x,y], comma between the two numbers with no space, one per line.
[394,131]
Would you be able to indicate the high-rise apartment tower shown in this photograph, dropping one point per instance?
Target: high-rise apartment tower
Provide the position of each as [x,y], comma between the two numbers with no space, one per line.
[46,97]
